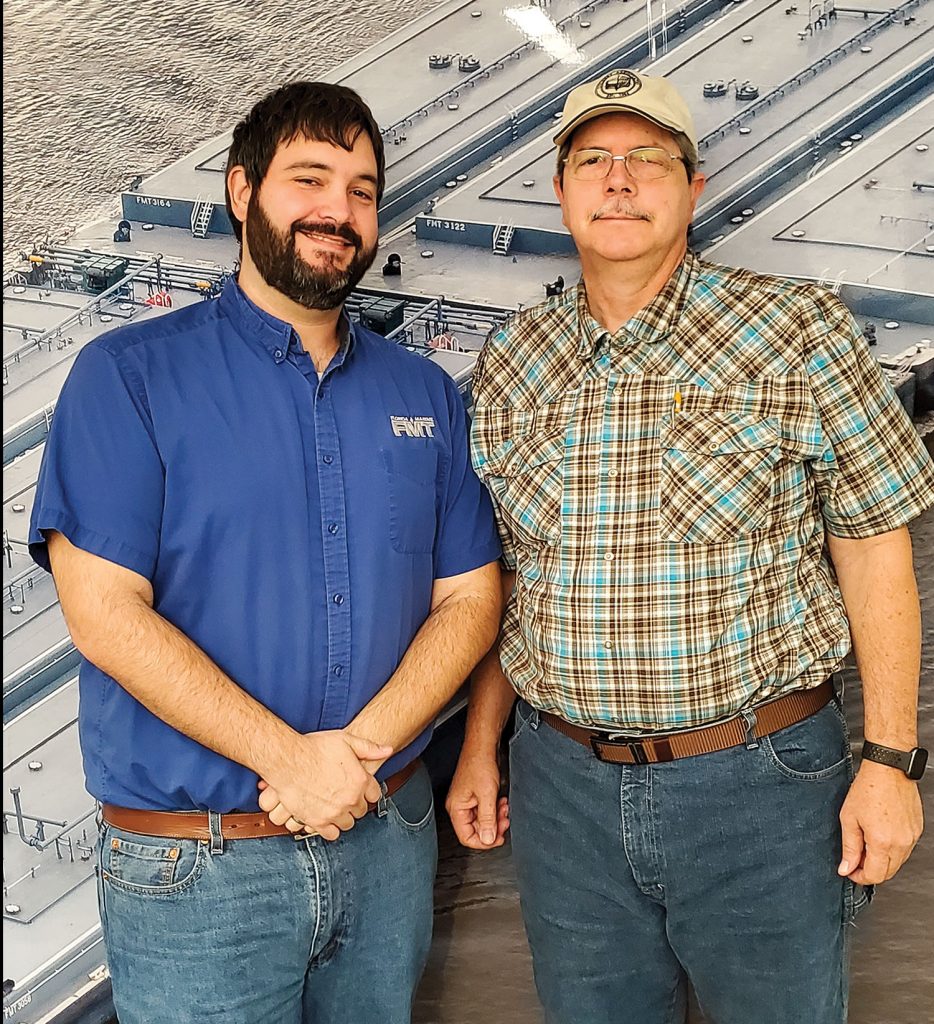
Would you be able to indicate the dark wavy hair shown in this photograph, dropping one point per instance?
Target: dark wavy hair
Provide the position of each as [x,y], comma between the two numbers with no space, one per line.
[319,111]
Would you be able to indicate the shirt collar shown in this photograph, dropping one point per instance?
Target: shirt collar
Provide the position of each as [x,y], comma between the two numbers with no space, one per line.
[653,322]
[275,335]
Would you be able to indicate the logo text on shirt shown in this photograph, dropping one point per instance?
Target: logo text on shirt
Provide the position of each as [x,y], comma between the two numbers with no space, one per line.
[412,426]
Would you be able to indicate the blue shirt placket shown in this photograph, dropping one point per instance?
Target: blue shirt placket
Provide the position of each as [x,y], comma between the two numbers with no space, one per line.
[333,527]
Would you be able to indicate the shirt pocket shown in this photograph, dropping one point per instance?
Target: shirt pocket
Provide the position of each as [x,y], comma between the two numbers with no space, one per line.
[412,476]
[526,480]
[717,475]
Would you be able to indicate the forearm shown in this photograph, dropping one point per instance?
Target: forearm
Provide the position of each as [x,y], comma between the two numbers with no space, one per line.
[491,700]
[172,677]
[491,695]
[876,579]
[456,634]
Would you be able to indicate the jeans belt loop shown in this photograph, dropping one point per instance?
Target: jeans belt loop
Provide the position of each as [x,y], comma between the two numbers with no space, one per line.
[382,805]
[217,836]
[838,683]
[749,717]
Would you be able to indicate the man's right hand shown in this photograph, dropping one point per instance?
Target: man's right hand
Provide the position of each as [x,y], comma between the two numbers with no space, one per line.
[323,787]
[479,815]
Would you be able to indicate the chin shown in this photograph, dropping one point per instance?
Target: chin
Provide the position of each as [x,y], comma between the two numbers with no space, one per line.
[621,253]
[326,257]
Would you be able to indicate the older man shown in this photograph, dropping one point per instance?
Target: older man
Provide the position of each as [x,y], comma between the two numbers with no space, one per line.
[702,482]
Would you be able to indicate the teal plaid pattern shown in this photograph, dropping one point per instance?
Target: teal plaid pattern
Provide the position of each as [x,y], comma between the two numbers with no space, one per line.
[663,493]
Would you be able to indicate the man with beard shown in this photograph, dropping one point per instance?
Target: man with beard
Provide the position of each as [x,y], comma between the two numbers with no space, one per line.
[278,564]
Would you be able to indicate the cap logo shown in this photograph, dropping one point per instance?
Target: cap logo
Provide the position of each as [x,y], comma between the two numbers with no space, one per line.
[617,84]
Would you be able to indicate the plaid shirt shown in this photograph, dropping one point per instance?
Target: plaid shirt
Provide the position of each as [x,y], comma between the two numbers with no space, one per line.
[663,492]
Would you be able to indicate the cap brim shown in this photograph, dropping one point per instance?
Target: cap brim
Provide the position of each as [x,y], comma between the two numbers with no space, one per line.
[617,108]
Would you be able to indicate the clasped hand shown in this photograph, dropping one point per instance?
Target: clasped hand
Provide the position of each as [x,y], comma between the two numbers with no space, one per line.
[328,785]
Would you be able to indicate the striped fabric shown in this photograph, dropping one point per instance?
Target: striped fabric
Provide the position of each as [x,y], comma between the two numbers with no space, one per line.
[663,494]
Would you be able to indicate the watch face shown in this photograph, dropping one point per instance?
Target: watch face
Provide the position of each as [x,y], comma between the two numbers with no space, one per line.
[917,763]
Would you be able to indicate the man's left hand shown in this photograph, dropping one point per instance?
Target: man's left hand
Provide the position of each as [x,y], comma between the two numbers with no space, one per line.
[882,820]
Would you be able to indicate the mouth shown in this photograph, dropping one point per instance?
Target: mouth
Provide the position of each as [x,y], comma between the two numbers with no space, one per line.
[619,216]
[332,243]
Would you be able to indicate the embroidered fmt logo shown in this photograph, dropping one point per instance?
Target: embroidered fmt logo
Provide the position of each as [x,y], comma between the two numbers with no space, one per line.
[412,426]
[617,84]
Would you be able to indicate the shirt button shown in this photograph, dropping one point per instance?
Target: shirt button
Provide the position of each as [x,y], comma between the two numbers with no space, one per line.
[608,644]
[338,598]
[327,459]
[608,557]
[613,472]
[338,670]
[278,353]
[617,391]
[333,527]
[714,446]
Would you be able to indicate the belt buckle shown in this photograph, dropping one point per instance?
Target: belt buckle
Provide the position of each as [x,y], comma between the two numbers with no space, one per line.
[636,748]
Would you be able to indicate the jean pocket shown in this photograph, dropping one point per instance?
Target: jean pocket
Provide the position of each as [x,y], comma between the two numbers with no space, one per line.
[716,476]
[413,476]
[523,718]
[149,865]
[855,898]
[413,805]
[811,750]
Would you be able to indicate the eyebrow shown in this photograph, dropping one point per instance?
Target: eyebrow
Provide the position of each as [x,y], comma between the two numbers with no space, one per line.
[315,165]
[607,149]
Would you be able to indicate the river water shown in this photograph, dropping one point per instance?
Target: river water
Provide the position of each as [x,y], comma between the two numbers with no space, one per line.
[96,92]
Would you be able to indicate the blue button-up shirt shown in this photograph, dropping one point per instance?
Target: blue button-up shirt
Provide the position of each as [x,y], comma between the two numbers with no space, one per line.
[292,526]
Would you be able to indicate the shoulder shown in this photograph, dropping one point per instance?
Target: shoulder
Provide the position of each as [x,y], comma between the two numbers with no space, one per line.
[178,327]
[779,322]
[398,358]
[530,347]
[769,293]
[545,316]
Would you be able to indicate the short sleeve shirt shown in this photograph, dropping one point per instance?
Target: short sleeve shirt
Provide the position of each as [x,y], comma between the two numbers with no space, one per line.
[291,526]
[663,493]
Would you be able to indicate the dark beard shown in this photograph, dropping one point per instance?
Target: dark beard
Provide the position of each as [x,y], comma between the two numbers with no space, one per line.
[282,268]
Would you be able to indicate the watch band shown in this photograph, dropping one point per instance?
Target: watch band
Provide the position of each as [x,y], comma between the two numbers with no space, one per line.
[911,762]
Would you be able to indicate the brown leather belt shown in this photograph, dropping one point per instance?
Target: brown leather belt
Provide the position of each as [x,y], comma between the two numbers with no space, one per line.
[770,717]
[194,824]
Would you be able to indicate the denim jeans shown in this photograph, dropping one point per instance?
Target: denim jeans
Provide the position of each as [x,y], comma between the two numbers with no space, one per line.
[275,929]
[719,869]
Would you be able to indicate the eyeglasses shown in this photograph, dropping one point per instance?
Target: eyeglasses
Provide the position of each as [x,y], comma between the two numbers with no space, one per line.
[647,163]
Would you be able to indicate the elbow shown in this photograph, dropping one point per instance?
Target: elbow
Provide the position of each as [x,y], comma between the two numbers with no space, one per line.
[100,630]
[88,639]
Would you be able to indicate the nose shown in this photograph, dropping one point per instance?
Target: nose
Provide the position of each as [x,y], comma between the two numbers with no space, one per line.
[334,204]
[619,179]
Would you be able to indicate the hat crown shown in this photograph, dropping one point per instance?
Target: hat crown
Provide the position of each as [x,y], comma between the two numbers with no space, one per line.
[626,91]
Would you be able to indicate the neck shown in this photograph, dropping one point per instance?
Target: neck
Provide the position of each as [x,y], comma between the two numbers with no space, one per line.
[316,328]
[617,290]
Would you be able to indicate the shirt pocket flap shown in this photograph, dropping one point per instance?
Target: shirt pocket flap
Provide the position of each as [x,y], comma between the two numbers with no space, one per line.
[517,456]
[718,433]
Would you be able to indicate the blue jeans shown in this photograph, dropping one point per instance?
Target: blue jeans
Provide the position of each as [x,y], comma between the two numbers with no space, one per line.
[275,929]
[719,869]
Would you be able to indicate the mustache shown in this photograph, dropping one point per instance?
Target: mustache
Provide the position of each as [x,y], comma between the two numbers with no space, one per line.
[617,209]
[344,231]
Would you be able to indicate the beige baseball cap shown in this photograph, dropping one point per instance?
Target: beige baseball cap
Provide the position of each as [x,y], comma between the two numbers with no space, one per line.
[622,90]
